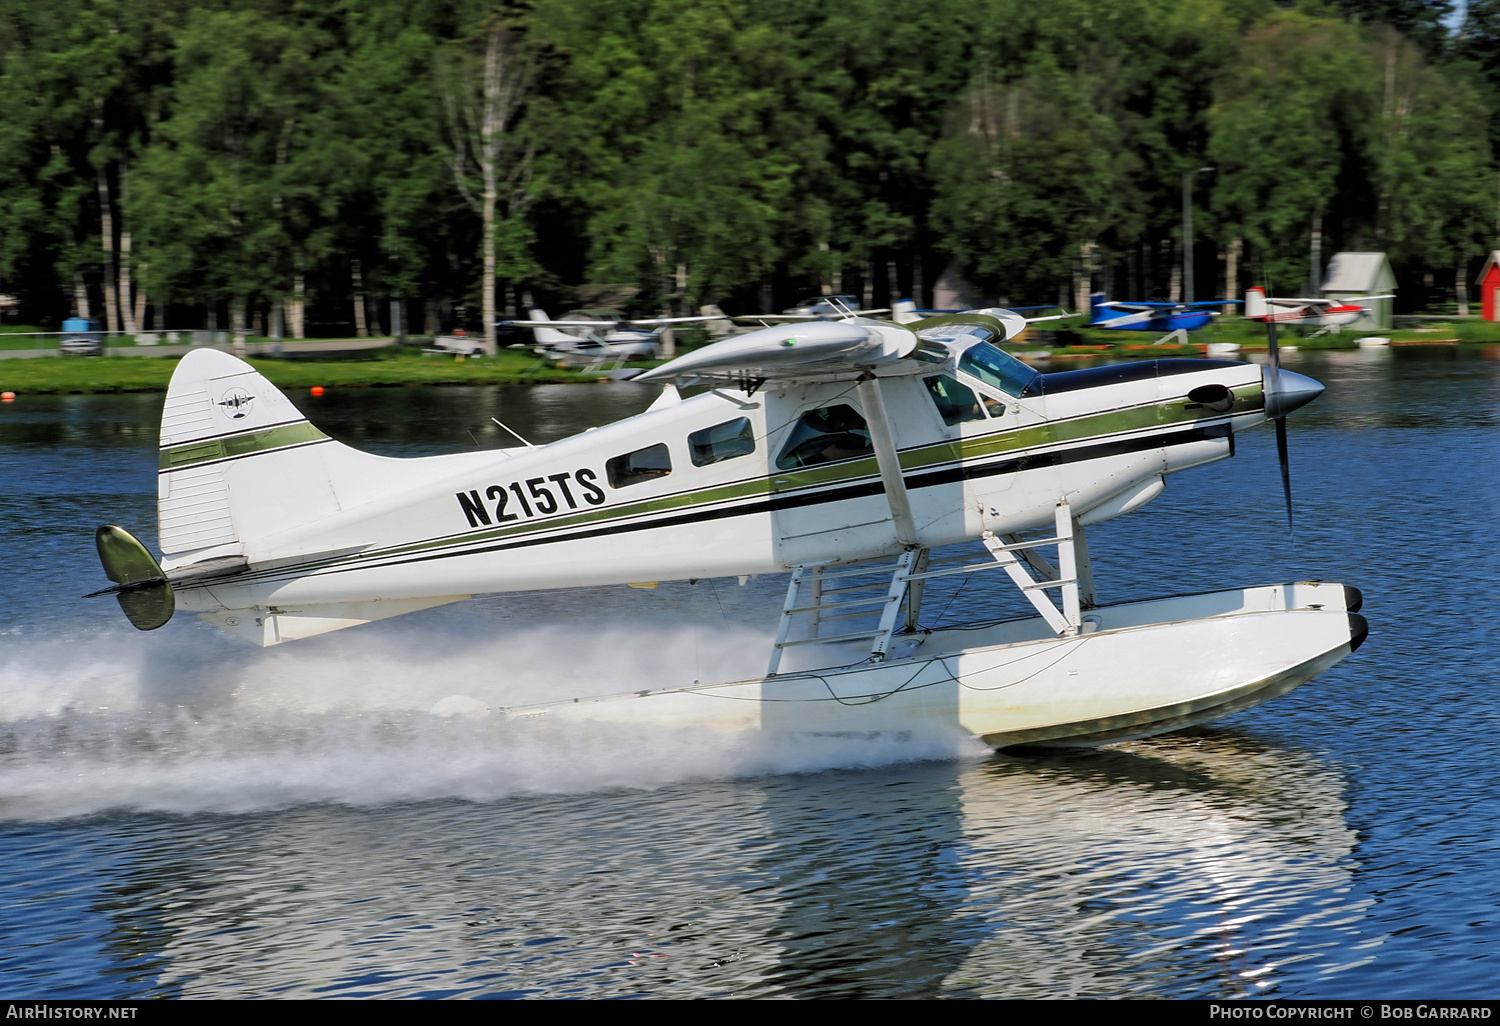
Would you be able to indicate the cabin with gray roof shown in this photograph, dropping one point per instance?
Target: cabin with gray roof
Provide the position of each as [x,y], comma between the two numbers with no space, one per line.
[1352,275]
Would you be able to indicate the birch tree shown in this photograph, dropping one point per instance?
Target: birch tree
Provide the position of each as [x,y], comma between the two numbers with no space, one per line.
[486,81]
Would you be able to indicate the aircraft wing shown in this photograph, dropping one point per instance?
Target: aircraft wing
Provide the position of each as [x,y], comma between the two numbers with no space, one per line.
[779,318]
[562,324]
[826,315]
[1325,301]
[622,322]
[674,320]
[818,349]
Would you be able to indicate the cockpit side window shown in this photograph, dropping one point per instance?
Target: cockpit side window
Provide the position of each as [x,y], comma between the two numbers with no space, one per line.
[722,442]
[826,435]
[955,403]
[999,370]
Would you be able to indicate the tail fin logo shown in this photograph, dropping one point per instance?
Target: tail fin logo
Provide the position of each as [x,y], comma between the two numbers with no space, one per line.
[236,403]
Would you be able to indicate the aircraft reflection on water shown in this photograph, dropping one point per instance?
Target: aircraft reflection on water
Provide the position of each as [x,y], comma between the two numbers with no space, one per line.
[1209,864]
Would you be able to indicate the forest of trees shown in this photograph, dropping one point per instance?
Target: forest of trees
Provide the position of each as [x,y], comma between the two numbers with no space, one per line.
[224,163]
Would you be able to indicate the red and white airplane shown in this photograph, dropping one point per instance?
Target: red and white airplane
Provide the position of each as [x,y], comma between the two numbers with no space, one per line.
[1315,313]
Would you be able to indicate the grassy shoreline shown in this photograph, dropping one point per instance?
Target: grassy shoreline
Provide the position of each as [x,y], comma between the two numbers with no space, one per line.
[83,375]
[386,368]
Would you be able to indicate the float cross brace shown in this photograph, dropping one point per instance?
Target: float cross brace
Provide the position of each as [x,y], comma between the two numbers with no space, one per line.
[1074,576]
[807,595]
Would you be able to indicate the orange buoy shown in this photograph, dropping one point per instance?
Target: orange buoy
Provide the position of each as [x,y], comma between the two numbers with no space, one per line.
[7,397]
[316,390]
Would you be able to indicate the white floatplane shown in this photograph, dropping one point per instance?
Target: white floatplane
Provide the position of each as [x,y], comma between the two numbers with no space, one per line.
[1324,313]
[591,349]
[832,450]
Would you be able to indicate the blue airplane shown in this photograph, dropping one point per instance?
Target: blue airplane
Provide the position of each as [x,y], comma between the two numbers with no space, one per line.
[1159,317]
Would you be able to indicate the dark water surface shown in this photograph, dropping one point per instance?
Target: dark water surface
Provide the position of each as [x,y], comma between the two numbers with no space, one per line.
[182,815]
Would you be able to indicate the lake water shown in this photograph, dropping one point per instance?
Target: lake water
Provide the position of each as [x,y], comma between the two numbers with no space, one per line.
[183,815]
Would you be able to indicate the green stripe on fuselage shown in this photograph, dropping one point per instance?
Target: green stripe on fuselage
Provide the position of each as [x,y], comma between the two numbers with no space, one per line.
[180,457]
[1077,430]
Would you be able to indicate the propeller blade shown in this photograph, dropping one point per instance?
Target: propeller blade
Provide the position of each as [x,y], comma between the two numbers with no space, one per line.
[1274,356]
[1274,407]
[1286,470]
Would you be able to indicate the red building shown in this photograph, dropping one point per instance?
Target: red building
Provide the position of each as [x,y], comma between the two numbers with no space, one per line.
[1489,287]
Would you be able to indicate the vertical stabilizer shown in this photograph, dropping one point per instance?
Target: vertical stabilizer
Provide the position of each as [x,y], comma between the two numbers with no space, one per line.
[549,336]
[237,461]
[245,482]
[1255,302]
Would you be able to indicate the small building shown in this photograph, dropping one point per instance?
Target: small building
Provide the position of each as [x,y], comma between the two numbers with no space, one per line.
[1489,287]
[1352,275]
[953,292]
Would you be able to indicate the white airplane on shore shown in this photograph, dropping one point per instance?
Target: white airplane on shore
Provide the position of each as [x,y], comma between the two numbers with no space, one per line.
[1304,312]
[843,452]
[621,340]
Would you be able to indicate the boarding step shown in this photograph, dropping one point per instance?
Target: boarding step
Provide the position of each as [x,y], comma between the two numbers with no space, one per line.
[807,597]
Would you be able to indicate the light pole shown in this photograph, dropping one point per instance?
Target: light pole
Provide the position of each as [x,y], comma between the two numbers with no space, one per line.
[1187,232]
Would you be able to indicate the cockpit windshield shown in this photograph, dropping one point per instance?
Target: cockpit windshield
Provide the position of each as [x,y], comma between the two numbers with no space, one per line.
[1000,370]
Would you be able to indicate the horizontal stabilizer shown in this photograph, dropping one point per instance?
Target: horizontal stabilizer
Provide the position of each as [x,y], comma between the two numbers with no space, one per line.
[140,586]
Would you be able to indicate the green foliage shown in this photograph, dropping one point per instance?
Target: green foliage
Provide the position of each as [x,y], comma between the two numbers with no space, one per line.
[1433,165]
[233,184]
[666,116]
[728,150]
[997,178]
[1299,91]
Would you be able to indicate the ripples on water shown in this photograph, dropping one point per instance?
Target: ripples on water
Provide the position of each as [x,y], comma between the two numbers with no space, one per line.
[187,816]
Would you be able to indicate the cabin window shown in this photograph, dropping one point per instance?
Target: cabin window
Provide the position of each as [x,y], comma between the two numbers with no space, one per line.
[642,465]
[721,442]
[826,435]
[956,403]
[998,370]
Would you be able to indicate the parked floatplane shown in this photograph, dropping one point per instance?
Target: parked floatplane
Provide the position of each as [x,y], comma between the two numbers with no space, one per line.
[833,450]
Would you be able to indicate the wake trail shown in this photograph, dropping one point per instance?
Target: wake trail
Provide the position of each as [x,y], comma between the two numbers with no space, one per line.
[193,722]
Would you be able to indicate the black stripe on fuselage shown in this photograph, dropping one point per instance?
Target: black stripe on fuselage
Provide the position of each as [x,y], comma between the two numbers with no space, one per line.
[1113,373]
[1036,461]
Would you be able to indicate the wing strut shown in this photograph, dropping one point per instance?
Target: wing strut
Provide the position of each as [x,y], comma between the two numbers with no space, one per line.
[888,459]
